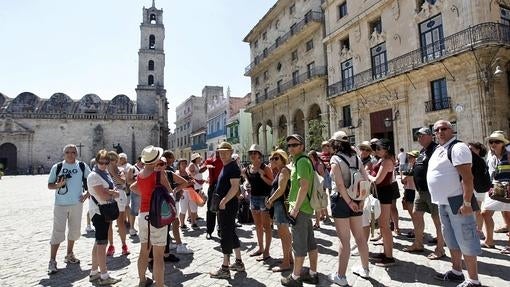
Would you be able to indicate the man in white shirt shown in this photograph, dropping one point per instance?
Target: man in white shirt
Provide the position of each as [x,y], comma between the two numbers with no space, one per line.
[445,185]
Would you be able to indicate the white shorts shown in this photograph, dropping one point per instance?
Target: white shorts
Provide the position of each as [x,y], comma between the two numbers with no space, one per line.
[480,196]
[122,200]
[158,235]
[186,203]
[70,214]
[365,218]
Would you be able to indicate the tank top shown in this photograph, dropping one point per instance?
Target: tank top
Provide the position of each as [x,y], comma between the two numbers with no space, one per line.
[274,187]
[258,186]
[388,178]
[502,172]
[146,187]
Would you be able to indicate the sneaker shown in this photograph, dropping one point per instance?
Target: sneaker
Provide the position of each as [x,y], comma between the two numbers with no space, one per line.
[449,276]
[94,277]
[194,226]
[208,236]
[386,262]
[354,250]
[71,259]
[237,266]
[108,281]
[327,220]
[171,258]
[148,282]
[339,280]
[289,281]
[377,256]
[184,227]
[125,250]
[222,273]
[52,267]
[110,251]
[361,272]
[89,229]
[501,230]
[172,245]
[184,249]
[132,232]
[310,279]
[469,284]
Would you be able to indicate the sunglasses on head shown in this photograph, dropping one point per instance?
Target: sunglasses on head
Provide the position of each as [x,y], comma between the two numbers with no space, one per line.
[495,142]
[442,129]
[293,145]
[274,158]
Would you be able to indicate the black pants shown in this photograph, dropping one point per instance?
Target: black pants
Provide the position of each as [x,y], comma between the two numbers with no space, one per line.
[227,224]
[210,216]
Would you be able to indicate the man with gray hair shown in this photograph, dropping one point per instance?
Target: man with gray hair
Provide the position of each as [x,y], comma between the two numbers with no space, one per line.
[67,178]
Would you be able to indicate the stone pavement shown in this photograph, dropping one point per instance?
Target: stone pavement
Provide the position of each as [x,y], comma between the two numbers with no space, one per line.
[25,228]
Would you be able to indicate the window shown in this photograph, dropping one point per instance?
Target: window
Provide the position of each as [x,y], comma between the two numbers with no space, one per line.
[152,42]
[257,95]
[150,80]
[279,66]
[347,75]
[309,45]
[295,77]
[379,61]
[293,29]
[266,75]
[264,36]
[375,26]
[342,10]
[277,41]
[345,43]
[256,44]
[292,9]
[432,38]
[277,24]
[152,18]
[310,70]
[265,93]
[256,81]
[420,3]
[294,55]
[505,16]
[440,100]
[151,65]
[264,52]
[346,116]
[279,86]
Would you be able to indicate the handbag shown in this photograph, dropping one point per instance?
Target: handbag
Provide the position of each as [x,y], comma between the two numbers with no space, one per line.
[372,206]
[109,210]
[500,191]
[215,202]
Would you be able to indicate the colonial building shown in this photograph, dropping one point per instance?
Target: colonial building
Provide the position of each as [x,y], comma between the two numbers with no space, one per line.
[239,130]
[287,70]
[34,130]
[395,66]
[190,117]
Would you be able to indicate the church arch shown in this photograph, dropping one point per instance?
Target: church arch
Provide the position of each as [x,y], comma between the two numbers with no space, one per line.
[120,104]
[150,65]
[314,113]
[89,104]
[58,103]
[152,42]
[8,158]
[152,18]
[24,103]
[150,80]
[299,123]
[282,127]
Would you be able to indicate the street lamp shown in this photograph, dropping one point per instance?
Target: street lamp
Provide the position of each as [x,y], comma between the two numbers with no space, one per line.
[388,122]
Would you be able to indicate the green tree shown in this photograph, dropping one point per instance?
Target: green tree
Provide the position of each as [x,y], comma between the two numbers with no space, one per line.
[281,144]
[315,128]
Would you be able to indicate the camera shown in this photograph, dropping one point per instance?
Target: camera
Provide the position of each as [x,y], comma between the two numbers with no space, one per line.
[64,176]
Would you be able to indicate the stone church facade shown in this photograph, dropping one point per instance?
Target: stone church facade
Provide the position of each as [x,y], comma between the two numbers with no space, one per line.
[34,130]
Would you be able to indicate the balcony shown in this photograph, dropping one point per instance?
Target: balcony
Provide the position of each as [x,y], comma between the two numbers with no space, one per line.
[310,17]
[233,140]
[198,146]
[438,104]
[480,35]
[284,87]
[220,132]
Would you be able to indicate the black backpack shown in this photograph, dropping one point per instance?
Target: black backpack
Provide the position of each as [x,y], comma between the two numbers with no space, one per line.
[481,178]
[82,167]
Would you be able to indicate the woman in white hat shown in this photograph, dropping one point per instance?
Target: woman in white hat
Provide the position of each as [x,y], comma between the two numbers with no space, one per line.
[498,162]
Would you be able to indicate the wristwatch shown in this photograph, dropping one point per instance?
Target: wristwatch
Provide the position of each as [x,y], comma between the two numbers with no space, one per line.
[467,203]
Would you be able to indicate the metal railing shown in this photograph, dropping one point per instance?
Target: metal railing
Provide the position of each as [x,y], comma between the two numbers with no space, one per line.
[295,81]
[437,105]
[77,116]
[310,16]
[481,34]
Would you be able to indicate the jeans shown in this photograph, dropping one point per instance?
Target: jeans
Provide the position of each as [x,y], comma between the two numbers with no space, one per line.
[459,231]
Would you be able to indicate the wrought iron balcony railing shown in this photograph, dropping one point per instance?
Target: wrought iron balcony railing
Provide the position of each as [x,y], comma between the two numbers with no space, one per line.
[310,16]
[438,104]
[473,37]
[282,88]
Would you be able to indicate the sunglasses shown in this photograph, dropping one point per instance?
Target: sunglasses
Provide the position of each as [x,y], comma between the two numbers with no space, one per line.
[293,145]
[161,164]
[102,162]
[274,158]
[73,152]
[494,142]
[442,129]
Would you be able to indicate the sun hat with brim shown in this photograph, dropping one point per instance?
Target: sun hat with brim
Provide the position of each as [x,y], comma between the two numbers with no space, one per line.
[413,153]
[296,137]
[151,154]
[255,147]
[365,144]
[195,156]
[498,136]
[224,146]
[281,153]
[122,155]
[340,136]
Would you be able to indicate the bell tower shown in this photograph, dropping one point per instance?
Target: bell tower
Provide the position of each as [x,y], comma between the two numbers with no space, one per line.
[150,91]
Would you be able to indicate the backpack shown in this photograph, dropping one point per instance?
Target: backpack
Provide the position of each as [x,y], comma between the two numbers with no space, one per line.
[481,178]
[357,188]
[82,167]
[162,210]
[318,198]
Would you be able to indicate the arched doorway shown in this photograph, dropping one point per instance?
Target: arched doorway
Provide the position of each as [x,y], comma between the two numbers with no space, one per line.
[9,158]
[299,123]
[269,137]
[282,127]
[258,134]
[315,112]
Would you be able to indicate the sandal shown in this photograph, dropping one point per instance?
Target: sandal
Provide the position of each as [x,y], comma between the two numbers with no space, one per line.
[413,249]
[436,256]
[256,253]
[489,246]
[316,226]
[505,251]
[281,268]
[263,258]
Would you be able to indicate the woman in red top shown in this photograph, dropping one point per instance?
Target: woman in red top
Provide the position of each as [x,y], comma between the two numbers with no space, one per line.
[144,186]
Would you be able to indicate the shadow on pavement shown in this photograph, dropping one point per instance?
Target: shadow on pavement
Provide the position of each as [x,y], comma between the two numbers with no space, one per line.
[65,277]
[410,272]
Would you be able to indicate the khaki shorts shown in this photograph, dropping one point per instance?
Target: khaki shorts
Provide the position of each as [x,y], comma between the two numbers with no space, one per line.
[70,214]
[122,200]
[158,235]
[423,203]
[303,239]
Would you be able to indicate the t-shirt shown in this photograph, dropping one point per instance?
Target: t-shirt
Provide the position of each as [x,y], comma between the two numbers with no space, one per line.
[214,172]
[302,169]
[95,179]
[442,176]
[421,165]
[402,157]
[71,192]
[229,171]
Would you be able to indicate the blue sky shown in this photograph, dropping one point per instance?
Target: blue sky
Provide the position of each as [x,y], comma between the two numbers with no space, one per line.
[79,47]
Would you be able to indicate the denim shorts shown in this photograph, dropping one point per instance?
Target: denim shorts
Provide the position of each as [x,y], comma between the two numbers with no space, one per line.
[280,214]
[460,231]
[135,203]
[258,203]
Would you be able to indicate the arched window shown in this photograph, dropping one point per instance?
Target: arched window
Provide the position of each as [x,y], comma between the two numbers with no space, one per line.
[152,18]
[151,80]
[152,42]
[151,65]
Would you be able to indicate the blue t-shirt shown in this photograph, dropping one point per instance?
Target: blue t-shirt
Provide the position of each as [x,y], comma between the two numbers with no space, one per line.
[71,192]
[229,171]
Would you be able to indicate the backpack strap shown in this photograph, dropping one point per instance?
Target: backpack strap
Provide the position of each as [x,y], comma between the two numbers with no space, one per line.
[449,150]
[158,180]
[59,168]
[313,175]
[83,178]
